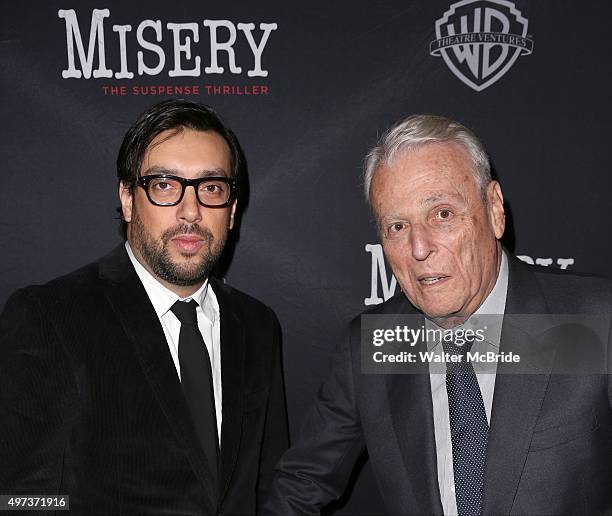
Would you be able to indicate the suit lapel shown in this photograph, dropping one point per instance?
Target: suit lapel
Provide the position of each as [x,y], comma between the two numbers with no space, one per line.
[412,415]
[517,397]
[233,349]
[135,312]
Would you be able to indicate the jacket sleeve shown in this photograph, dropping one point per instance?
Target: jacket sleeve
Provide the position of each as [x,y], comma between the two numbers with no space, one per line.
[37,399]
[316,470]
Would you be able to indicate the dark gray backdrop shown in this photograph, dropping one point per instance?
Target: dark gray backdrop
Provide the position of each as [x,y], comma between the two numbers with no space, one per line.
[339,74]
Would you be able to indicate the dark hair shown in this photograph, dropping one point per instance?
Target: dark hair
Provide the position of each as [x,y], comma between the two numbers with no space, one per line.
[171,114]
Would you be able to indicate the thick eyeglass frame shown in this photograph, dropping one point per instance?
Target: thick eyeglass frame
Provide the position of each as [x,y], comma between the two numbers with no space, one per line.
[143,181]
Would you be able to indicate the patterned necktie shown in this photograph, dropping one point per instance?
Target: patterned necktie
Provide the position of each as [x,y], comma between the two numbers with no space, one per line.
[469,431]
[196,380]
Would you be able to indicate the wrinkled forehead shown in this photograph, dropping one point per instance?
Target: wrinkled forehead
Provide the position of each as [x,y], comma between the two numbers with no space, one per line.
[422,176]
[432,163]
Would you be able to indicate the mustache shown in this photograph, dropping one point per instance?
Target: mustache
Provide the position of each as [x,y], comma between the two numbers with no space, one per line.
[186,229]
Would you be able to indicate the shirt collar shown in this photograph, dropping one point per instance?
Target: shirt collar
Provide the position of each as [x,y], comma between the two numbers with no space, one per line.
[161,297]
[495,303]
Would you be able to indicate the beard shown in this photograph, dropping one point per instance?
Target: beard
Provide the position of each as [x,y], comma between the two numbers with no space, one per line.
[156,253]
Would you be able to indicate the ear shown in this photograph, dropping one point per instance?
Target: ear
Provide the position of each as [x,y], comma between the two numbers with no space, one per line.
[126,197]
[232,213]
[495,204]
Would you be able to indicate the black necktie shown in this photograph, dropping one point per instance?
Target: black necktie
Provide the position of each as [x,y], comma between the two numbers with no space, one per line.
[197,381]
[469,431]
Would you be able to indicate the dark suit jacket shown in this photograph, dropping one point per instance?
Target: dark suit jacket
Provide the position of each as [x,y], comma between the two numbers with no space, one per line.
[91,405]
[550,440]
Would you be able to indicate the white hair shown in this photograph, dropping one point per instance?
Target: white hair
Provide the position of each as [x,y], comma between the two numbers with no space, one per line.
[418,130]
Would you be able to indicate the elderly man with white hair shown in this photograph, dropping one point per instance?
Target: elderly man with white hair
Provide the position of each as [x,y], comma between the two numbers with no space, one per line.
[452,437]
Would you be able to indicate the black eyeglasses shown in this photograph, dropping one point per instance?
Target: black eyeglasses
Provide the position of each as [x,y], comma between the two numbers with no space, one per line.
[167,190]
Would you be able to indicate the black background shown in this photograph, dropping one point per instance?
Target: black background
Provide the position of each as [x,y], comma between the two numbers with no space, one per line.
[339,74]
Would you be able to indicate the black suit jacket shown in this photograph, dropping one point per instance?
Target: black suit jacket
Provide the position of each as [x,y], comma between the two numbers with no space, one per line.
[550,439]
[91,405]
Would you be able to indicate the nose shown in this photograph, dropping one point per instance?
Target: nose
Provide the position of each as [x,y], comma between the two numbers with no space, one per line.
[189,207]
[421,243]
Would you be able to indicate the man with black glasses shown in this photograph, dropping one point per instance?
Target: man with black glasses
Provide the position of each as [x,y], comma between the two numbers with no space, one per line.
[140,384]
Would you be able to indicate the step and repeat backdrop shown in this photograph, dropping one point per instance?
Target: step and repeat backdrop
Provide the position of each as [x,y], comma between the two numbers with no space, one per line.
[307,87]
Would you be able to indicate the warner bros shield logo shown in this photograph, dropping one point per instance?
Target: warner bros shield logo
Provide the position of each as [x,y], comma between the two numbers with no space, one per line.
[480,40]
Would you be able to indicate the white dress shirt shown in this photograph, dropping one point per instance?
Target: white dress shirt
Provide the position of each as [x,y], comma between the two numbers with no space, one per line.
[489,315]
[208,317]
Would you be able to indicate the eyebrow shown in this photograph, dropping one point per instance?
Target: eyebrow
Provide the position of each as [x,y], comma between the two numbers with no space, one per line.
[173,172]
[432,199]
[428,201]
[390,218]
